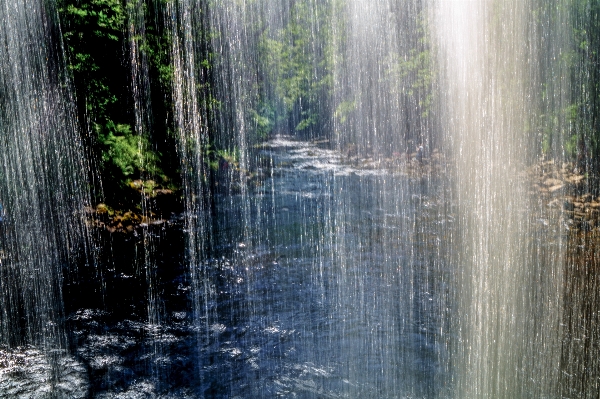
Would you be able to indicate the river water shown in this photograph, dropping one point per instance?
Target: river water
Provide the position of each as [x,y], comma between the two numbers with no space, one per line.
[330,278]
[327,279]
[336,284]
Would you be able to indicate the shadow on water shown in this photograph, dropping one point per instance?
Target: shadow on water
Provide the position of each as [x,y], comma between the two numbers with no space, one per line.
[331,285]
[108,317]
[328,285]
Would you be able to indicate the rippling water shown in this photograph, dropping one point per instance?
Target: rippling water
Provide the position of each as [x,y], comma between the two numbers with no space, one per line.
[326,281]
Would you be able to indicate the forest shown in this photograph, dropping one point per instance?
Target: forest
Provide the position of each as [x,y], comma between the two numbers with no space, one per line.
[121,59]
[295,65]
[299,198]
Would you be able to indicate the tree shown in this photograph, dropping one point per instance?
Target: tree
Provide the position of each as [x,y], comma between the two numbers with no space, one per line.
[98,47]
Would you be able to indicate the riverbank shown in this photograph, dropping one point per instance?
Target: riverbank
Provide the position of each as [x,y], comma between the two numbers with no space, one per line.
[157,206]
[564,193]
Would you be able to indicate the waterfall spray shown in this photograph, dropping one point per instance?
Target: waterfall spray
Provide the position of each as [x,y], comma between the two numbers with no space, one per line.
[360,212]
[185,20]
[487,64]
[43,194]
[42,187]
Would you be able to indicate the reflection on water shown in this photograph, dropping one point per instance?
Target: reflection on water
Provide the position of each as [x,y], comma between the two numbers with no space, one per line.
[26,372]
[340,289]
[326,283]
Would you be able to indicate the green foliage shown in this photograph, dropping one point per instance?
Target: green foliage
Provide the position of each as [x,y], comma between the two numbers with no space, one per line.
[99,37]
[213,155]
[93,33]
[308,119]
[231,156]
[264,120]
[414,71]
[584,63]
[298,67]
[344,109]
[126,155]
[104,18]
[558,128]
[571,146]
[156,45]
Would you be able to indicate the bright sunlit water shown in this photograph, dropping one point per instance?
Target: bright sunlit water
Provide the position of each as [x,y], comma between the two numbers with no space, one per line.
[398,250]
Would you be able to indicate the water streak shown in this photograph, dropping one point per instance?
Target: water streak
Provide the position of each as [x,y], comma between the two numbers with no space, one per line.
[508,299]
[42,184]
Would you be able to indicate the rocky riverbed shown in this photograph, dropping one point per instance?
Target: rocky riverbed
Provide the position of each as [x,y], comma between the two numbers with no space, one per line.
[567,192]
[562,190]
[157,206]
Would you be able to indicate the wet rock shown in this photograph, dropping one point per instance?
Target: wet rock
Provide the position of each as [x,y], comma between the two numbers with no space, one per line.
[27,372]
[136,184]
[551,182]
[568,205]
[103,209]
[575,179]
[555,188]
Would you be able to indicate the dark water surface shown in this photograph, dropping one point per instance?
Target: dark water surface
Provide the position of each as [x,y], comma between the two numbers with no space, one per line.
[325,281]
